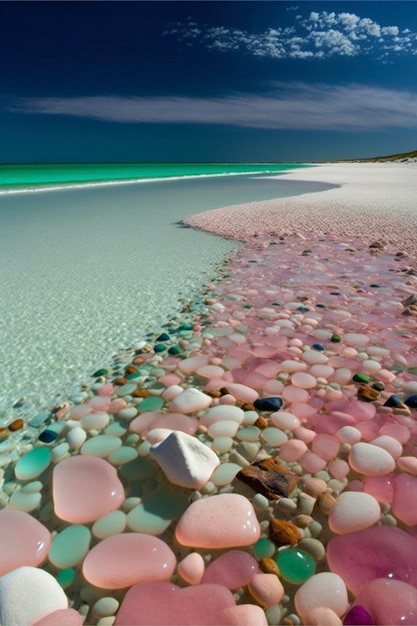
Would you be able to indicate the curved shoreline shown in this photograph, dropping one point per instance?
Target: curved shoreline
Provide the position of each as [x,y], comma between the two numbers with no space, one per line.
[374,200]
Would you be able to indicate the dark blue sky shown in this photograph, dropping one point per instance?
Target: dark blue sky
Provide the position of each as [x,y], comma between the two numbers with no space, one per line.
[207,81]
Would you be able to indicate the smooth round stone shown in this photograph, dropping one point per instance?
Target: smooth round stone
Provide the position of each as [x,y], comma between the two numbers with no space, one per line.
[156,511]
[95,421]
[260,502]
[243,393]
[113,523]
[353,511]
[166,603]
[85,488]
[296,566]
[371,460]
[405,492]
[115,430]
[248,434]
[128,413]
[267,589]
[314,357]
[191,568]
[222,413]
[63,617]
[123,560]
[122,455]
[70,546]
[377,552]
[154,419]
[323,589]
[389,444]
[303,380]
[220,521]
[152,403]
[193,363]
[228,428]
[293,450]
[349,434]
[291,367]
[408,464]
[28,594]
[321,371]
[285,420]
[294,394]
[356,339]
[210,371]
[105,607]
[268,404]
[25,501]
[323,616]
[326,446]
[224,474]
[222,444]
[264,548]
[127,389]
[76,437]
[274,436]
[33,487]
[389,602]
[32,464]
[48,436]
[101,446]
[232,569]
[190,400]
[23,540]
[77,412]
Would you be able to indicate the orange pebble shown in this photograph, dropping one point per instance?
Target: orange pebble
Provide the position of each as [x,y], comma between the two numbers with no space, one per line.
[16,425]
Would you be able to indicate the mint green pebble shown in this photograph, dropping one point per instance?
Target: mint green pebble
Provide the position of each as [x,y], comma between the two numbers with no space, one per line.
[126,390]
[32,464]
[70,546]
[155,512]
[115,429]
[122,455]
[113,523]
[296,566]
[264,548]
[25,501]
[66,577]
[101,446]
[152,403]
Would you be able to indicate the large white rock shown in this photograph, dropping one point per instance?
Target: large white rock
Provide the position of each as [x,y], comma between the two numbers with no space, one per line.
[185,460]
[27,594]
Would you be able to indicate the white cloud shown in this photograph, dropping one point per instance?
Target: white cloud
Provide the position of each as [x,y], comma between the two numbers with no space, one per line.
[289,106]
[319,35]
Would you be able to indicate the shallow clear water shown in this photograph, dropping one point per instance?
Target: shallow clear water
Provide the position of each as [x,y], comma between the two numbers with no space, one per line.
[85,272]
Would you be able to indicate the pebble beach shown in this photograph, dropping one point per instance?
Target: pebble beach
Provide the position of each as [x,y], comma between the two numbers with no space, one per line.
[253,461]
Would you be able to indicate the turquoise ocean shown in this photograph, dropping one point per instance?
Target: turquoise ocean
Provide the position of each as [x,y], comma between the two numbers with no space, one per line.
[94,256]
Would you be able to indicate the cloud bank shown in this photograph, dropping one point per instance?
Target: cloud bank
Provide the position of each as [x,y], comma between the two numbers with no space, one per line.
[319,36]
[292,106]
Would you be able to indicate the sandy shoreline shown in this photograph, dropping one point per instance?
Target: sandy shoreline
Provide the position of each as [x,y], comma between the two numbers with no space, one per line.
[374,201]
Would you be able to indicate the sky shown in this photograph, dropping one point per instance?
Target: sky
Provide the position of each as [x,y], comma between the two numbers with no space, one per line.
[216,80]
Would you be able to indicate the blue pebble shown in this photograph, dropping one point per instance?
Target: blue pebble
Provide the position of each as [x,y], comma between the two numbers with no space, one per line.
[48,436]
[268,404]
[163,337]
[159,347]
[318,346]
[411,401]
[393,401]
[303,309]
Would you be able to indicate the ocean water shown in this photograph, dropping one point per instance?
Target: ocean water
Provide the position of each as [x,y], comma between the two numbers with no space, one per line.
[86,272]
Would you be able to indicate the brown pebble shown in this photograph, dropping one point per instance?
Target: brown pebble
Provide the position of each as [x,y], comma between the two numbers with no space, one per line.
[16,425]
[269,566]
[314,486]
[269,478]
[3,433]
[325,503]
[302,520]
[283,533]
[367,393]
[141,393]
[131,369]
[120,381]
[213,394]
[261,422]
[247,406]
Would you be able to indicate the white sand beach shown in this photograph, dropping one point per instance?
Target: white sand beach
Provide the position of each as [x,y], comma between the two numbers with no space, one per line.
[374,201]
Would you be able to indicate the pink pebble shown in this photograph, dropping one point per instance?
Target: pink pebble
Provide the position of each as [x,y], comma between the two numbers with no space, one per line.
[326,446]
[162,603]
[292,450]
[408,464]
[63,617]
[399,432]
[172,392]
[370,460]
[169,380]
[312,463]
[78,411]
[242,392]
[294,394]
[244,615]
[304,434]
[303,380]
[325,589]
[85,488]
[349,434]
[23,540]
[106,390]
[232,569]
[222,521]
[190,400]
[389,444]
[285,420]
[338,468]
[121,561]
[302,410]
[154,419]
[193,363]
[99,403]
[267,589]
[210,371]
[117,405]
[322,616]
[389,602]
[227,399]
[191,568]
[405,495]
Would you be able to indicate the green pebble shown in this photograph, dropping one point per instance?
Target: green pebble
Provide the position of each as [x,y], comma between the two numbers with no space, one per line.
[70,546]
[159,347]
[174,350]
[152,403]
[32,464]
[320,305]
[335,338]
[264,548]
[361,378]
[101,372]
[133,376]
[296,566]
[66,577]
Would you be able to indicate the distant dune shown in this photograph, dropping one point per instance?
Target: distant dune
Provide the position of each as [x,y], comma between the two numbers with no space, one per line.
[403,157]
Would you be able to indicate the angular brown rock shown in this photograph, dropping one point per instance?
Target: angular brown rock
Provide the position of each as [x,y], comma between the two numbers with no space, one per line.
[269,478]
[284,533]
